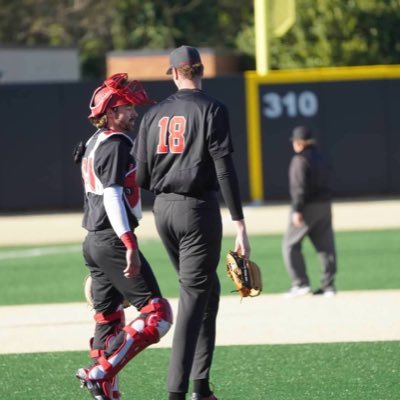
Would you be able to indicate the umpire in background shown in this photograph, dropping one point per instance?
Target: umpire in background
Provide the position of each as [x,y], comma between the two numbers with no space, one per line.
[311,215]
[184,156]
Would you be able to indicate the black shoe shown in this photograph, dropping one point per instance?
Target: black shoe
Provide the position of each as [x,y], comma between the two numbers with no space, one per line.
[94,387]
[328,292]
[197,396]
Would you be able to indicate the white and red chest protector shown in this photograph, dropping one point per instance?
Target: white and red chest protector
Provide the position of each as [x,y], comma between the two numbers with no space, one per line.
[101,169]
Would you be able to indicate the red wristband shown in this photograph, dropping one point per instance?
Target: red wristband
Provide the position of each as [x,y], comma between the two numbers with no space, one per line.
[129,240]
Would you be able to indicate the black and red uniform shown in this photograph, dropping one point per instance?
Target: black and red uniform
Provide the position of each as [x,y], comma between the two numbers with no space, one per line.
[183,153]
[118,270]
[108,161]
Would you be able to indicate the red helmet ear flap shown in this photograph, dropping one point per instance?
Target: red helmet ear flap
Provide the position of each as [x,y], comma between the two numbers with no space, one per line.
[99,101]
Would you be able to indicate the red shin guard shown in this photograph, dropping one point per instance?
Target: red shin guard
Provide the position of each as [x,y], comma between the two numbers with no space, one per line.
[154,321]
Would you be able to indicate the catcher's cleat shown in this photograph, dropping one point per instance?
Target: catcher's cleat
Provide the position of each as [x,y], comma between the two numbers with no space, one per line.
[96,389]
[197,396]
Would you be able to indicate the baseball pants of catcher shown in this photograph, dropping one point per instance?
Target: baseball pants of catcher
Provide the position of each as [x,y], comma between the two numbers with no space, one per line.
[318,227]
[104,254]
[191,230]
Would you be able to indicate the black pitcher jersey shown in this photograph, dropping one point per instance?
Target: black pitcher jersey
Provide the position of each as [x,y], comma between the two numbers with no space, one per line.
[185,132]
[108,161]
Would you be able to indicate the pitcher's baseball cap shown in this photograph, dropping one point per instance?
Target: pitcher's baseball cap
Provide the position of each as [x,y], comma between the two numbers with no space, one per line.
[184,55]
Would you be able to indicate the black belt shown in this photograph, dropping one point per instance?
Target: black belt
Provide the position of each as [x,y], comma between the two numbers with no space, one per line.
[212,194]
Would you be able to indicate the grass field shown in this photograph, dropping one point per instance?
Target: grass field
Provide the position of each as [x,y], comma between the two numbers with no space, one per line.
[340,371]
[366,260]
[337,371]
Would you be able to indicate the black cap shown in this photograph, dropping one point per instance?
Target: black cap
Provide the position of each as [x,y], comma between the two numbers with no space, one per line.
[184,55]
[302,133]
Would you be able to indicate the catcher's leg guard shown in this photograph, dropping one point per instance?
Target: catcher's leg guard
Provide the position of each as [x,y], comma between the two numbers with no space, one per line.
[116,395]
[107,327]
[154,322]
[110,388]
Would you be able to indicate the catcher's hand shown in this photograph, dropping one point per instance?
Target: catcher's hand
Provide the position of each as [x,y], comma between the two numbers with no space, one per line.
[245,274]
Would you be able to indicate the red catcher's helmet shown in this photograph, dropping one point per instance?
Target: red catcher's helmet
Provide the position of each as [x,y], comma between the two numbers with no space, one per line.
[116,91]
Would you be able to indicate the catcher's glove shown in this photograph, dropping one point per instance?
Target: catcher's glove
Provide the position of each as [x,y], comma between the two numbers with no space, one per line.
[245,274]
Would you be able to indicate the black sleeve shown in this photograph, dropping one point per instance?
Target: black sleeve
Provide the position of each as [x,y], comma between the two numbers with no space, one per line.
[139,147]
[229,185]
[297,182]
[143,178]
[218,135]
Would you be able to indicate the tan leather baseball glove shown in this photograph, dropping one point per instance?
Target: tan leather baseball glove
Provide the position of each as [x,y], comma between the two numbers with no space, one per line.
[245,274]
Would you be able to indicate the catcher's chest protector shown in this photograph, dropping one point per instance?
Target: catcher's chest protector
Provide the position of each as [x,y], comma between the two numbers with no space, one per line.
[92,183]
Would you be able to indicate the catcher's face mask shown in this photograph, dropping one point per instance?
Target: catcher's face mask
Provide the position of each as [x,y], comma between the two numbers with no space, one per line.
[117,91]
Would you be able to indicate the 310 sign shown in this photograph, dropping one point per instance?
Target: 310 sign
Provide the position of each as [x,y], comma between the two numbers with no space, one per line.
[291,104]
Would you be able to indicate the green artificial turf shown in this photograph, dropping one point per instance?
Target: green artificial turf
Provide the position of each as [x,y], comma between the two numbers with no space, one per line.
[336,371]
[366,260]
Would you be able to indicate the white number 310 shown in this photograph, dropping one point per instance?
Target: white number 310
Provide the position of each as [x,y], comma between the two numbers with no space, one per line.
[291,104]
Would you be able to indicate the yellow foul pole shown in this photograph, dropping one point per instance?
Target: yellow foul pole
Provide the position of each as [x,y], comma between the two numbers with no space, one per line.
[261,35]
[270,17]
[254,145]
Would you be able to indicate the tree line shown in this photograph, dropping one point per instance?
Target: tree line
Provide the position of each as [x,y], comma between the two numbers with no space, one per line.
[326,33]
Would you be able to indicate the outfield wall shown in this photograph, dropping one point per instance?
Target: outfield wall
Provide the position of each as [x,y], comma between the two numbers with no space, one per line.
[42,123]
[354,114]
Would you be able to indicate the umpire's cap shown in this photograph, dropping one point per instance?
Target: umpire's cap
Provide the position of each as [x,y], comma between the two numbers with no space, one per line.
[302,133]
[184,55]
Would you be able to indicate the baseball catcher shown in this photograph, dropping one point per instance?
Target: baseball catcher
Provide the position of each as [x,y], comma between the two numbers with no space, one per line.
[245,274]
[118,269]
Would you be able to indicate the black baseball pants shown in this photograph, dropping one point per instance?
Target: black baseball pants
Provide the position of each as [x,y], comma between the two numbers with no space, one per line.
[191,230]
[104,254]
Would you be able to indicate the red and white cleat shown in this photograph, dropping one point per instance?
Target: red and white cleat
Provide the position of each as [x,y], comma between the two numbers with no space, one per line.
[99,390]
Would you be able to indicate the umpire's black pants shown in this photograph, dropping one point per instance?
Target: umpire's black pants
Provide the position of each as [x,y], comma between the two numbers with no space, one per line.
[191,230]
